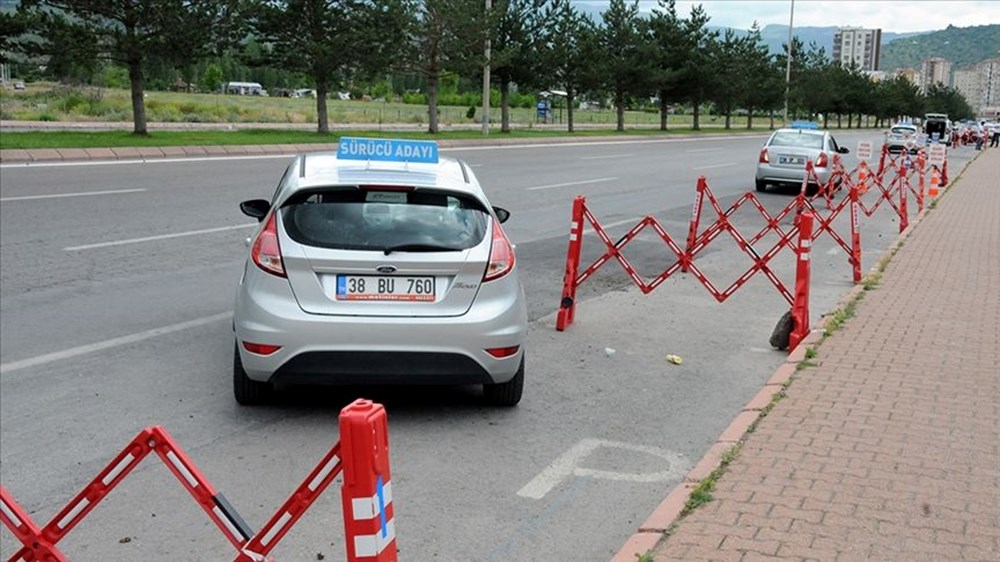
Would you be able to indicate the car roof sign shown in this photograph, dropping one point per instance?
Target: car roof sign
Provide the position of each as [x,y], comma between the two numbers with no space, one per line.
[805,125]
[387,150]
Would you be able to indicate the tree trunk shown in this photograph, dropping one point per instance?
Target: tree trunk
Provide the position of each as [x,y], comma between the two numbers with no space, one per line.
[771,113]
[137,84]
[840,124]
[729,118]
[322,116]
[750,118]
[569,109]
[664,108]
[620,111]
[826,120]
[696,113]
[432,103]
[505,106]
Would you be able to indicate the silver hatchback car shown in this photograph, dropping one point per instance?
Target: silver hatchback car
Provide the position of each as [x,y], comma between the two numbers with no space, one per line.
[783,158]
[382,263]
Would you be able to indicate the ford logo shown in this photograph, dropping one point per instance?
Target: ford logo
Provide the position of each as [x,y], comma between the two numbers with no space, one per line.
[386,269]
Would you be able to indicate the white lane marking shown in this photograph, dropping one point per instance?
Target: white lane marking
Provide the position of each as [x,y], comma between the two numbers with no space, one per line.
[107,344]
[160,237]
[568,465]
[78,194]
[633,221]
[150,160]
[703,150]
[608,156]
[567,184]
[713,166]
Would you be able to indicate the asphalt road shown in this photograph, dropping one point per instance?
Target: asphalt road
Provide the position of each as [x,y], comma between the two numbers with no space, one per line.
[117,283]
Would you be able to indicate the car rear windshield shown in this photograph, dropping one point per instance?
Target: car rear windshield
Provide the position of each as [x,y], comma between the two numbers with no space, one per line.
[799,139]
[357,218]
[903,130]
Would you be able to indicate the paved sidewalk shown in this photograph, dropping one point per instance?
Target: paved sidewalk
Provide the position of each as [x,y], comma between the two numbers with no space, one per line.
[889,448]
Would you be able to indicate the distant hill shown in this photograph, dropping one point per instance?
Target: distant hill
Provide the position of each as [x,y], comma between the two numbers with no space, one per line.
[776,35]
[961,46]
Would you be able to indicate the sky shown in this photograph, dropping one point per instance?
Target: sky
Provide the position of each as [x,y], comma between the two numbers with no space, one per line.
[888,15]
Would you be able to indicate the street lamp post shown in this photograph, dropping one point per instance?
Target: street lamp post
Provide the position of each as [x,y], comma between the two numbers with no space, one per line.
[788,63]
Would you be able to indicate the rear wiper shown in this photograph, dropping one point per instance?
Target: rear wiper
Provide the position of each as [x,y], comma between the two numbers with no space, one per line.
[419,248]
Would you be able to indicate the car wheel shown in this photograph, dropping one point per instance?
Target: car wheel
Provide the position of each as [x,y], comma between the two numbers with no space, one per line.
[761,185]
[506,393]
[248,391]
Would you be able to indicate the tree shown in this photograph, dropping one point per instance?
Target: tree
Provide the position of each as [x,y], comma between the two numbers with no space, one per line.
[569,49]
[624,68]
[697,73]
[666,46]
[728,59]
[128,33]
[513,47]
[331,41]
[765,80]
[211,80]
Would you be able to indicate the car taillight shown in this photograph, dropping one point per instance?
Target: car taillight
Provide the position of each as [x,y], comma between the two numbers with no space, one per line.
[266,252]
[501,352]
[821,161]
[260,348]
[501,256]
[764,158]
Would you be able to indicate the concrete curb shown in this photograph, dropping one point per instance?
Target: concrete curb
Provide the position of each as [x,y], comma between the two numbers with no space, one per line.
[672,508]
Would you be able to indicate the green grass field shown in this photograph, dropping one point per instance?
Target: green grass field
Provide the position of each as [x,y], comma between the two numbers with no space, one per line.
[53,103]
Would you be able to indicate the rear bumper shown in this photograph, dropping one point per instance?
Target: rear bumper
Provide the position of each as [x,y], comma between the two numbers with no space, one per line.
[789,176]
[329,349]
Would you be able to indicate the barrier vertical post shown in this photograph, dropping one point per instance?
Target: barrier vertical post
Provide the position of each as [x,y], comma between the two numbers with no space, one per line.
[367,489]
[881,161]
[567,305]
[922,168]
[800,306]
[855,234]
[695,222]
[904,187]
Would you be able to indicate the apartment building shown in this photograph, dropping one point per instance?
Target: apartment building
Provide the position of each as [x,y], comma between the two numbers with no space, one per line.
[934,71]
[980,85]
[858,46]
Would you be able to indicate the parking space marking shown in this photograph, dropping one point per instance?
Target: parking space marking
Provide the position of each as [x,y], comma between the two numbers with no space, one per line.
[713,166]
[160,237]
[113,342]
[568,465]
[77,194]
[567,184]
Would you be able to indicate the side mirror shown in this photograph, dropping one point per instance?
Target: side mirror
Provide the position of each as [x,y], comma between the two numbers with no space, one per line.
[502,214]
[256,208]
[844,150]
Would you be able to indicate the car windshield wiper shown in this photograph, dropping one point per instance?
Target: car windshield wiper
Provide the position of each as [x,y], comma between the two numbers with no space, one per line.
[419,248]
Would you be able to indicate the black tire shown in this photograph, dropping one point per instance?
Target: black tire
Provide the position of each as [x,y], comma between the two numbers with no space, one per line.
[247,391]
[508,393]
[761,185]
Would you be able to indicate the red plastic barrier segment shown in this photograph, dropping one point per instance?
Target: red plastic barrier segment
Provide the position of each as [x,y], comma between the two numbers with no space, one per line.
[367,488]
[567,305]
[35,546]
[800,307]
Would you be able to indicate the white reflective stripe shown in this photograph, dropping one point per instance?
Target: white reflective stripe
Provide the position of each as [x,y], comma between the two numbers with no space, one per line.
[118,469]
[285,517]
[174,460]
[806,243]
[8,512]
[372,545]
[73,513]
[229,524]
[315,482]
[367,508]
[804,257]
[573,237]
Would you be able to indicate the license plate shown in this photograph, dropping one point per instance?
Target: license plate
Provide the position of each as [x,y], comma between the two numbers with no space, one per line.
[384,288]
[791,160]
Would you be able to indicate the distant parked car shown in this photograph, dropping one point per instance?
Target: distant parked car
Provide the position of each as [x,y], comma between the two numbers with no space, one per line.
[783,159]
[902,137]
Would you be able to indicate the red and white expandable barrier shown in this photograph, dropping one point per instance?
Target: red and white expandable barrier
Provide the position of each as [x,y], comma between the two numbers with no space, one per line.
[367,494]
